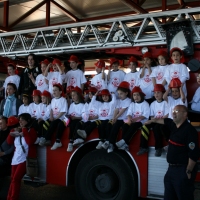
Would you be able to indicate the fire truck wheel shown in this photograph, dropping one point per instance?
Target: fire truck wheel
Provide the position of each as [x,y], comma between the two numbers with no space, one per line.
[103,176]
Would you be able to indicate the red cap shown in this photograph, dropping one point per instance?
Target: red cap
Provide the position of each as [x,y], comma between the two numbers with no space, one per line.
[57,61]
[113,60]
[12,121]
[137,89]
[176,49]
[104,92]
[175,83]
[92,89]
[147,55]
[100,64]
[69,89]
[159,88]
[124,84]
[46,62]
[46,94]
[132,59]
[73,58]
[58,85]
[36,93]
[77,89]
[162,53]
[12,64]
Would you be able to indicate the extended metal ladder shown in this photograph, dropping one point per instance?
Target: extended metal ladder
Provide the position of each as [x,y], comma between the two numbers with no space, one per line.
[135,30]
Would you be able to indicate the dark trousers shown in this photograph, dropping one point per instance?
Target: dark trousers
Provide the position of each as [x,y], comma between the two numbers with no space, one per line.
[113,130]
[56,124]
[177,184]
[102,129]
[73,129]
[38,126]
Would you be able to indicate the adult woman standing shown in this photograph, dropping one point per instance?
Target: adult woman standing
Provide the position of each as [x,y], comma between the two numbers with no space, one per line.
[23,139]
[10,105]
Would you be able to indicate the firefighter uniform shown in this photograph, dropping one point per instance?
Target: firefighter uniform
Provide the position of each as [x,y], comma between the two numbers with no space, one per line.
[183,144]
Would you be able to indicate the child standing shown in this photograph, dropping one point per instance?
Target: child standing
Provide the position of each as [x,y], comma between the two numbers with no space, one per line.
[132,77]
[75,112]
[138,113]
[177,69]
[177,98]
[196,98]
[57,113]
[120,114]
[146,83]
[100,79]
[116,76]
[75,76]
[24,107]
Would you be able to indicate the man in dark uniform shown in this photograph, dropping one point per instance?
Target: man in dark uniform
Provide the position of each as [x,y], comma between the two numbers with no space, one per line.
[183,153]
[28,76]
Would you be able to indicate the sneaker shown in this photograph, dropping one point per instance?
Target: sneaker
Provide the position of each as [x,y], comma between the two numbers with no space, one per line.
[37,140]
[82,133]
[99,146]
[42,141]
[110,148]
[120,143]
[142,151]
[70,147]
[158,152]
[78,141]
[124,147]
[105,145]
[56,145]
[166,148]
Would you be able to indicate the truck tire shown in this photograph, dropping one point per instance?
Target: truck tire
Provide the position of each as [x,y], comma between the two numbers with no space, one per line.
[103,176]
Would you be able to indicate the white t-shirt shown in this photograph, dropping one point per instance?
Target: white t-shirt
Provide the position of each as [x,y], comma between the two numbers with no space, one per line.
[116,77]
[11,79]
[76,109]
[41,83]
[121,104]
[159,109]
[99,83]
[177,71]
[23,109]
[196,100]
[139,109]
[133,79]
[54,77]
[75,78]
[146,83]
[174,102]
[33,109]
[19,156]
[59,105]
[43,111]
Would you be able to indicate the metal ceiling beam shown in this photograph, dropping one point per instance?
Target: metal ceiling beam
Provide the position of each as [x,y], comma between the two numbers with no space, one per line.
[69,14]
[5,13]
[181,2]
[164,7]
[48,9]
[28,13]
[134,6]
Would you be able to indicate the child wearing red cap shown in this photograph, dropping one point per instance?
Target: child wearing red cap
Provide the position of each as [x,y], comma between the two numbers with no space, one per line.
[116,76]
[157,74]
[120,114]
[178,96]
[12,78]
[75,112]
[57,76]
[41,81]
[137,114]
[24,107]
[58,110]
[196,98]
[89,118]
[177,69]
[146,83]
[75,76]
[100,79]
[132,77]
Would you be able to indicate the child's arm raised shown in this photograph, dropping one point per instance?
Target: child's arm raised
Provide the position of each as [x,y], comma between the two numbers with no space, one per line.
[182,93]
[165,95]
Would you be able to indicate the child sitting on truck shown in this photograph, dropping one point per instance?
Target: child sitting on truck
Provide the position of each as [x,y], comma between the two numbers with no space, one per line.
[24,107]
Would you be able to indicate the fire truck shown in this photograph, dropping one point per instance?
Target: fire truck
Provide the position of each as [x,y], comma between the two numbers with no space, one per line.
[121,174]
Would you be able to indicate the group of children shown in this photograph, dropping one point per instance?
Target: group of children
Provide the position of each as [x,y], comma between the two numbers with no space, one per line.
[115,101]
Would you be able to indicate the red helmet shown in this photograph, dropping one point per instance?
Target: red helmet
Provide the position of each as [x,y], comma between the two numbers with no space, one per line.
[46,62]
[73,58]
[147,55]
[36,93]
[159,88]
[132,59]
[100,64]
[124,84]
[58,85]
[176,49]
[175,83]
[46,94]
[77,89]
[12,121]
[92,89]
[162,53]
[57,61]
[137,89]
[69,89]
[104,92]
[113,60]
